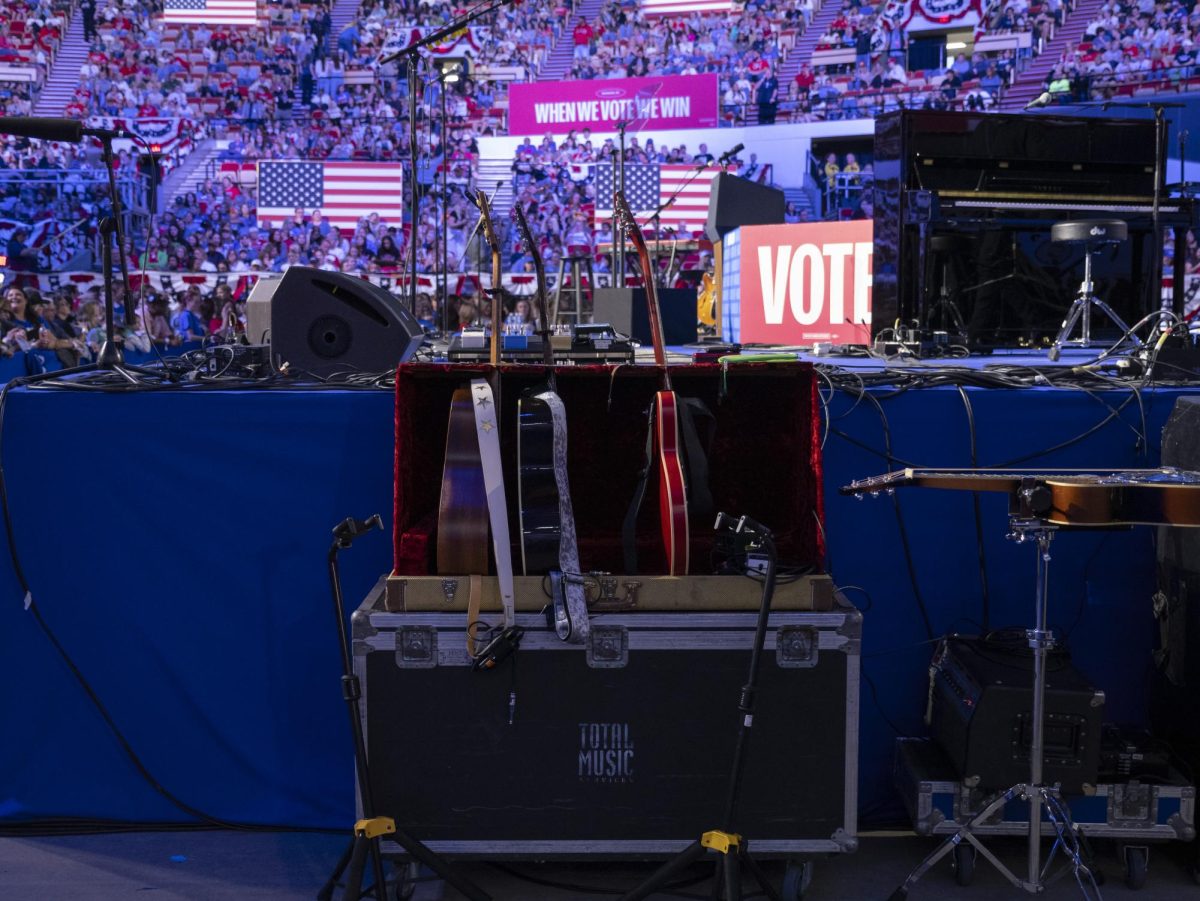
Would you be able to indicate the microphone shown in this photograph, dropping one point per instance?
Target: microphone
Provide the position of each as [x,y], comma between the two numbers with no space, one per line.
[1041,100]
[730,154]
[69,131]
[350,528]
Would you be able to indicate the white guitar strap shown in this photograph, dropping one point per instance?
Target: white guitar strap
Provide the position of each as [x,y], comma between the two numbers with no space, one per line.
[487,425]
[568,545]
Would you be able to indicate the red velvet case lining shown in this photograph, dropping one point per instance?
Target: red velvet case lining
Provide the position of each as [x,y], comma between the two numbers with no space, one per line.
[765,462]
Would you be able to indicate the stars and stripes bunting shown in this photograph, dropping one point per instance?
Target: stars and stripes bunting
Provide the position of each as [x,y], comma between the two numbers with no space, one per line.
[344,192]
[211,12]
[649,185]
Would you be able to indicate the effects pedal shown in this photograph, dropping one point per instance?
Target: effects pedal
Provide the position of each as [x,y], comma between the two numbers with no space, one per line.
[244,360]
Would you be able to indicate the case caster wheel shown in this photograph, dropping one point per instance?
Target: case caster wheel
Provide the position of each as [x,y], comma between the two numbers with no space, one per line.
[964,863]
[1136,862]
[796,880]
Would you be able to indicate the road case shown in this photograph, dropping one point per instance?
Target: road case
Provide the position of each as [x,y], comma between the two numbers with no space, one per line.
[1134,813]
[620,747]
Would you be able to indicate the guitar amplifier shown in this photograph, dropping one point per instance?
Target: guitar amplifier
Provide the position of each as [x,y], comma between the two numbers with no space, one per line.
[622,746]
[980,712]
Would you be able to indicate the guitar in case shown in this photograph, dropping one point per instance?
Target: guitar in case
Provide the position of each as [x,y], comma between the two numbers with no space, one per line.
[664,420]
[548,541]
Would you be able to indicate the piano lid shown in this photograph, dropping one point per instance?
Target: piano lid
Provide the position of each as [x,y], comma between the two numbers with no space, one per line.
[1032,156]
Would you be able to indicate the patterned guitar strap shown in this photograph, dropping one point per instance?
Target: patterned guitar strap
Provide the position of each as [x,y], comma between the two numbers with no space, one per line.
[571,623]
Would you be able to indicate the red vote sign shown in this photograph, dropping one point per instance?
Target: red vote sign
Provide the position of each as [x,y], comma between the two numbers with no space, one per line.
[806,282]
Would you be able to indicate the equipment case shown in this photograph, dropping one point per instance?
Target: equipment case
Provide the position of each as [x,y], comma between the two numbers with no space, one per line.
[621,747]
[1135,813]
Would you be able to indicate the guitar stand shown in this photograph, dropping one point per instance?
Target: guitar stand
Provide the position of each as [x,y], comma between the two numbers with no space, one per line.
[371,828]
[733,848]
[1040,797]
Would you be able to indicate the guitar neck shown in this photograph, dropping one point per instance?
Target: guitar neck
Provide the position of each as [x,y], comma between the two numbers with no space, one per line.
[656,330]
[497,308]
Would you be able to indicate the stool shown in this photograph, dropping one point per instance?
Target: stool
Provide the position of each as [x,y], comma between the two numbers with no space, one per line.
[580,263]
[945,310]
[1092,234]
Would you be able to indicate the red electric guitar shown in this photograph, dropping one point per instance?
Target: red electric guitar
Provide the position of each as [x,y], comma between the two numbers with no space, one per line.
[672,490]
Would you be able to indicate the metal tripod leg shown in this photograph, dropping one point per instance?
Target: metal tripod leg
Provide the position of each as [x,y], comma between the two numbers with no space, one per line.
[1035,792]
[1078,306]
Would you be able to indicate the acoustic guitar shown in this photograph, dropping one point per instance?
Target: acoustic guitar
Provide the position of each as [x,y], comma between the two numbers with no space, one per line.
[462,537]
[541,525]
[672,490]
[1084,498]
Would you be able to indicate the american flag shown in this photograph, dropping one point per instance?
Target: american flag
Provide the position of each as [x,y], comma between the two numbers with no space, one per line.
[686,7]
[344,192]
[211,12]
[649,185]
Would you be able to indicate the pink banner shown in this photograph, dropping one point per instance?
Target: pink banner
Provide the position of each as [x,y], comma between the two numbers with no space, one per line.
[671,101]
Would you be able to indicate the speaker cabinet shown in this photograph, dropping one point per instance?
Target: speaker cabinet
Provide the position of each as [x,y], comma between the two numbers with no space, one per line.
[626,310]
[326,322]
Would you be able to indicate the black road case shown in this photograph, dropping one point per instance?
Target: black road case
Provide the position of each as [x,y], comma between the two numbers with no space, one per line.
[619,748]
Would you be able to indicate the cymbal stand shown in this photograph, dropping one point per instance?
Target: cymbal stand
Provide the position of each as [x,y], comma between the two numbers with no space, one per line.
[1041,797]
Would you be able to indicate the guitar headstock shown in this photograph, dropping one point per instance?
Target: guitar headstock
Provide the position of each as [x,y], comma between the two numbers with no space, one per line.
[628,223]
[527,236]
[875,485]
[485,220]
[539,271]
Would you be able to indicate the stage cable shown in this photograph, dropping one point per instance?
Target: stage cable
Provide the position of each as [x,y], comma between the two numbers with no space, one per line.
[985,603]
[910,565]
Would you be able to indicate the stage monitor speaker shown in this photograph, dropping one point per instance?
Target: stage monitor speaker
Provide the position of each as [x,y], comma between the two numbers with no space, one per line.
[735,202]
[626,310]
[328,322]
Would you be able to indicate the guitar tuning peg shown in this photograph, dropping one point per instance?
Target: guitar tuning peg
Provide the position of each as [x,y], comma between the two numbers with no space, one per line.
[890,492]
[875,493]
[859,496]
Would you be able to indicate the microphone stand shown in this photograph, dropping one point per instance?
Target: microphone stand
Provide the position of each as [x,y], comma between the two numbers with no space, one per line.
[618,232]
[412,54]
[1160,141]
[369,830]
[111,358]
[656,216]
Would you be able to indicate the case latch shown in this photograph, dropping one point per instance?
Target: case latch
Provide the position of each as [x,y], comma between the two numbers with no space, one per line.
[416,647]
[796,646]
[608,647]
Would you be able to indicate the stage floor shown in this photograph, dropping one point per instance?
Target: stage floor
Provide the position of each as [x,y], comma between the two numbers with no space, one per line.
[222,866]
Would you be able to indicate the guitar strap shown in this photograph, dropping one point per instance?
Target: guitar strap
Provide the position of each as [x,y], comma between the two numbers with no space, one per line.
[487,424]
[700,502]
[568,543]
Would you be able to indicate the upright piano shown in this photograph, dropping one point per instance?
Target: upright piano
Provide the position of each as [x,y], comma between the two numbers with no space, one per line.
[964,202]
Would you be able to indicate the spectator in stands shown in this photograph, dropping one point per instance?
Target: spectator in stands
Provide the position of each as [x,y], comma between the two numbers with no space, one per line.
[21,257]
[766,94]
[187,324]
[16,322]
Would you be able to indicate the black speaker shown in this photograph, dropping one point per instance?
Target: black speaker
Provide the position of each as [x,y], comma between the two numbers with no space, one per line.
[326,322]
[626,310]
[735,202]
[981,713]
